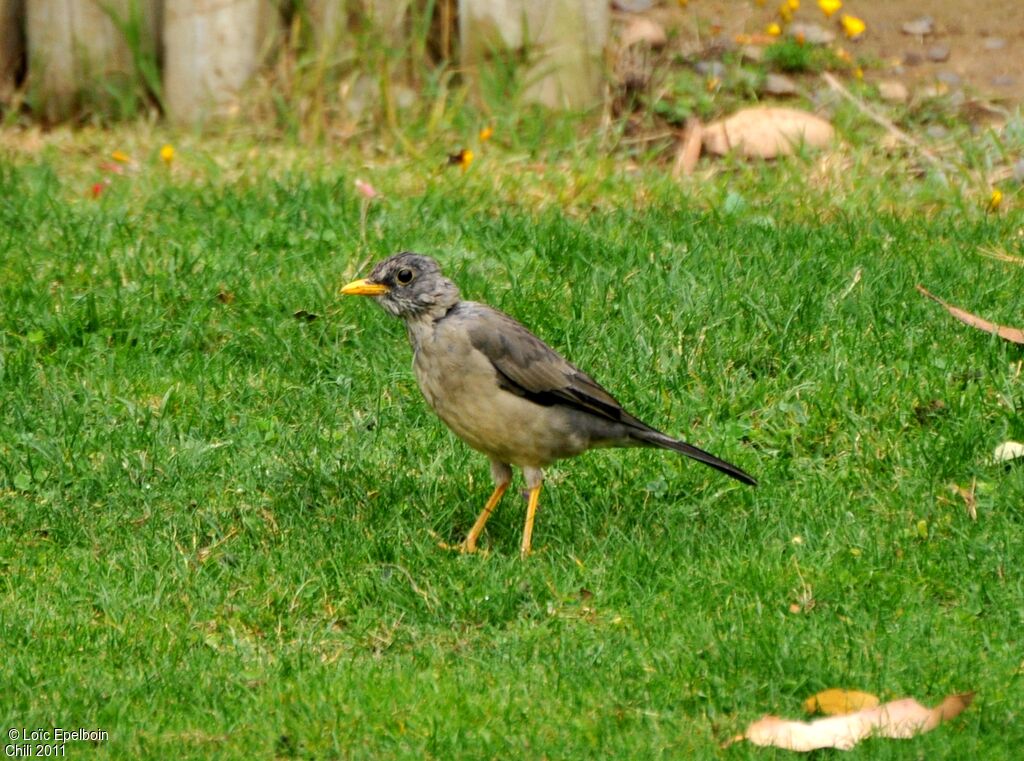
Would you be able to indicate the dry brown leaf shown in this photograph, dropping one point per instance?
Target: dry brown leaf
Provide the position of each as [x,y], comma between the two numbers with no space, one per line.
[766,132]
[689,148]
[970,501]
[898,719]
[1015,335]
[835,702]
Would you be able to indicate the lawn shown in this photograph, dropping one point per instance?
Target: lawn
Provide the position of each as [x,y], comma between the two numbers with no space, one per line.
[222,494]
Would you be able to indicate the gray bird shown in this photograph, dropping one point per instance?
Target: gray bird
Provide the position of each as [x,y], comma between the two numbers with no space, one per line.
[501,389]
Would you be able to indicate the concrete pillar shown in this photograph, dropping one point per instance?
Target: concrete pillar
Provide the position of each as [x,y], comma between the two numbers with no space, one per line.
[564,41]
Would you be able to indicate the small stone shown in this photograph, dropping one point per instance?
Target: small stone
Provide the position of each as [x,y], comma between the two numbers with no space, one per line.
[825,100]
[812,34]
[405,97]
[1018,171]
[723,43]
[778,84]
[948,78]
[646,31]
[994,43]
[892,91]
[935,90]
[912,59]
[365,91]
[710,68]
[1004,80]
[936,131]
[919,27]
[980,112]
[891,144]
[752,53]
[938,53]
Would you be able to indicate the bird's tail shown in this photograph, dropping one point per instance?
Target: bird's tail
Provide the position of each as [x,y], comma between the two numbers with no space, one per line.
[658,439]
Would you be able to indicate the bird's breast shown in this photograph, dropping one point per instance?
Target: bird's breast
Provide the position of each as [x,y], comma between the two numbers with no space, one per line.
[461,385]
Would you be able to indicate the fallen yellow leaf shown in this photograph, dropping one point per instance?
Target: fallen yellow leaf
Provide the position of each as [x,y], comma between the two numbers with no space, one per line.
[835,702]
[899,719]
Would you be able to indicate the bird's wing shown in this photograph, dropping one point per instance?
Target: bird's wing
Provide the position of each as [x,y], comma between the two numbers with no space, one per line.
[528,367]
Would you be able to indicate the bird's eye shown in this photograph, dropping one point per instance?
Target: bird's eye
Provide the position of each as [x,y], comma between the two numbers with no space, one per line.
[405,277]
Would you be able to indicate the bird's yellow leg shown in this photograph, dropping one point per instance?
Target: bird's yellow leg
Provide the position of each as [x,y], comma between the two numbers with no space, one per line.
[474,533]
[531,512]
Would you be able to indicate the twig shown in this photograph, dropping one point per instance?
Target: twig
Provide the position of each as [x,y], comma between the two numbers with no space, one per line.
[651,138]
[688,152]
[877,118]
[412,582]
[1002,256]
[205,552]
[849,288]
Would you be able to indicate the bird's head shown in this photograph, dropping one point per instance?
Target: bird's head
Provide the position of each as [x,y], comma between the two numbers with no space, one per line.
[407,285]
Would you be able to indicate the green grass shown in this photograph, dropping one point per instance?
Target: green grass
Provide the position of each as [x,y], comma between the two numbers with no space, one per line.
[219,522]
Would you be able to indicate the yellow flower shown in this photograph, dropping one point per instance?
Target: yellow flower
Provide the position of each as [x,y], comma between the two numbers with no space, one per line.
[121,157]
[774,29]
[785,12]
[794,5]
[485,134]
[853,27]
[995,200]
[461,159]
[858,73]
[167,154]
[828,7]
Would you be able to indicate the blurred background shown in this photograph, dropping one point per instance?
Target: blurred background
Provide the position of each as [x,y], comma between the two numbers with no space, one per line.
[328,68]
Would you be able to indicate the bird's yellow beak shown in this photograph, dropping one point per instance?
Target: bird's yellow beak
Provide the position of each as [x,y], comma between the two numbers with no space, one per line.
[364,288]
